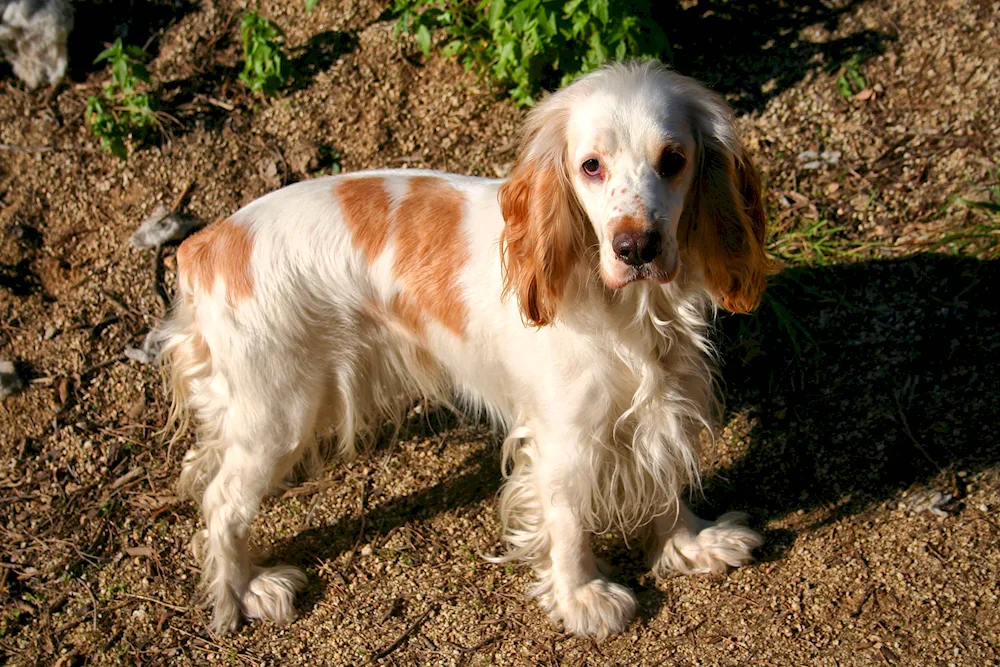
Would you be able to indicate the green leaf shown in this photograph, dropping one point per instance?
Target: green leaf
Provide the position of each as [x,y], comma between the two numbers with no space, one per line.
[844,87]
[454,47]
[310,5]
[108,52]
[424,39]
[495,11]
[117,148]
[119,70]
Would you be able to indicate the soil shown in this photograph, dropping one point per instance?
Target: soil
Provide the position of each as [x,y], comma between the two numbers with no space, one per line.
[867,383]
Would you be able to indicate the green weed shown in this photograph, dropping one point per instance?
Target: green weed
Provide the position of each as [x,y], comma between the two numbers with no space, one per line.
[980,239]
[121,113]
[266,68]
[818,243]
[524,45]
[851,81]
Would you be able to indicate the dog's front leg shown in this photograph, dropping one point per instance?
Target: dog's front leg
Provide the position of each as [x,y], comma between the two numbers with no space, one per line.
[544,529]
[686,543]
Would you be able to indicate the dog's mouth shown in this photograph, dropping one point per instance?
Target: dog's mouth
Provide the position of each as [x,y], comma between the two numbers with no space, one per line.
[660,271]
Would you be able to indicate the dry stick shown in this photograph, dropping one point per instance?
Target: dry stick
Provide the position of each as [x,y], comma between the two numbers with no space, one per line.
[26,149]
[179,199]
[381,653]
[173,607]
[69,625]
[361,532]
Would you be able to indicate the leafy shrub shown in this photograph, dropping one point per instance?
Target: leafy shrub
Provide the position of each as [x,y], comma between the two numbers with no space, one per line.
[528,44]
[121,112]
[265,66]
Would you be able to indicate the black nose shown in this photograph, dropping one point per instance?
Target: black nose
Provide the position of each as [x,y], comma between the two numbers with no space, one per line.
[636,248]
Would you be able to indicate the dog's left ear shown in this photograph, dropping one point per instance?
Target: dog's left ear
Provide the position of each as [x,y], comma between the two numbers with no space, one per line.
[726,224]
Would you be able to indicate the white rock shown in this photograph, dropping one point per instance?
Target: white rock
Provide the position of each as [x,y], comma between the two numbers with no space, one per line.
[163,227]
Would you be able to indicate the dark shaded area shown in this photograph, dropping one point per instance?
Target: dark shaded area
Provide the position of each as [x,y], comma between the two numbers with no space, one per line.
[137,22]
[319,54]
[863,380]
[736,48]
[19,279]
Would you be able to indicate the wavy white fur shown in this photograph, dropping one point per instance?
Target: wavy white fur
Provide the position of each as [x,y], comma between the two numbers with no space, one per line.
[325,304]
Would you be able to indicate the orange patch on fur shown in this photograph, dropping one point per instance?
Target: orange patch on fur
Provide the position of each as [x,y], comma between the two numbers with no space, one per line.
[221,251]
[430,251]
[631,223]
[365,203]
[407,313]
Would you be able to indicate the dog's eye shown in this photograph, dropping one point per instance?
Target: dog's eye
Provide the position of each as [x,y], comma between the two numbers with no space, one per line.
[671,163]
[592,167]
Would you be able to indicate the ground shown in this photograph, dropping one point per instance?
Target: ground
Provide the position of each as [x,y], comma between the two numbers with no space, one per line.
[867,382]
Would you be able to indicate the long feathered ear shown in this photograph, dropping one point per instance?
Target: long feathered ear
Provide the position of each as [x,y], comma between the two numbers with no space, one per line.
[727,226]
[543,235]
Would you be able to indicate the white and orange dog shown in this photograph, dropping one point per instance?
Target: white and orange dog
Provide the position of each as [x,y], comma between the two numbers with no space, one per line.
[570,302]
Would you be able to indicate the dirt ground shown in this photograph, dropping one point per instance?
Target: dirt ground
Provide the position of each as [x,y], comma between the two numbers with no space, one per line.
[866,384]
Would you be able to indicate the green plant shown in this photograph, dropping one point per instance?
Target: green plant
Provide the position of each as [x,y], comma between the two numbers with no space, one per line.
[818,243]
[266,68]
[980,239]
[121,112]
[527,44]
[310,5]
[851,81]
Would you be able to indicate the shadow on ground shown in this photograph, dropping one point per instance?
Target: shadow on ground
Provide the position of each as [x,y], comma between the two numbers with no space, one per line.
[752,51]
[862,380]
[97,23]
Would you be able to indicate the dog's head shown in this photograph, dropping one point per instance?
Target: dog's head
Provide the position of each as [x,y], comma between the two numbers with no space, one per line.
[646,166]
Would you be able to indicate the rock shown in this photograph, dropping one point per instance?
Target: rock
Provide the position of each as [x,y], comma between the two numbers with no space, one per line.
[928,501]
[147,353]
[163,226]
[10,382]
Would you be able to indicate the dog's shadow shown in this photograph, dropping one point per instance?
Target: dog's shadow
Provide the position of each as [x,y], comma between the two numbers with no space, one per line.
[860,381]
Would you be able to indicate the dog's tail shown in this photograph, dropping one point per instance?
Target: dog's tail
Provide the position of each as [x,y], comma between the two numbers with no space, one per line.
[187,369]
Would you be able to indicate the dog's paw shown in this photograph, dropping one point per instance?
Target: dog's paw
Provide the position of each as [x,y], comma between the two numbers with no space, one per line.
[226,613]
[716,547]
[270,595]
[597,608]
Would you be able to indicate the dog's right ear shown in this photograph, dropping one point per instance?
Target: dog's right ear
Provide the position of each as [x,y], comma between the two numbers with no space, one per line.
[543,235]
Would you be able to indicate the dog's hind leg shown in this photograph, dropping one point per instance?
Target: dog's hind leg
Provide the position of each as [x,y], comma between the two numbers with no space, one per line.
[268,424]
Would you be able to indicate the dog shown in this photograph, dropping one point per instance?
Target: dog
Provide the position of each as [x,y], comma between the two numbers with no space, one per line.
[570,303]
[33,35]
